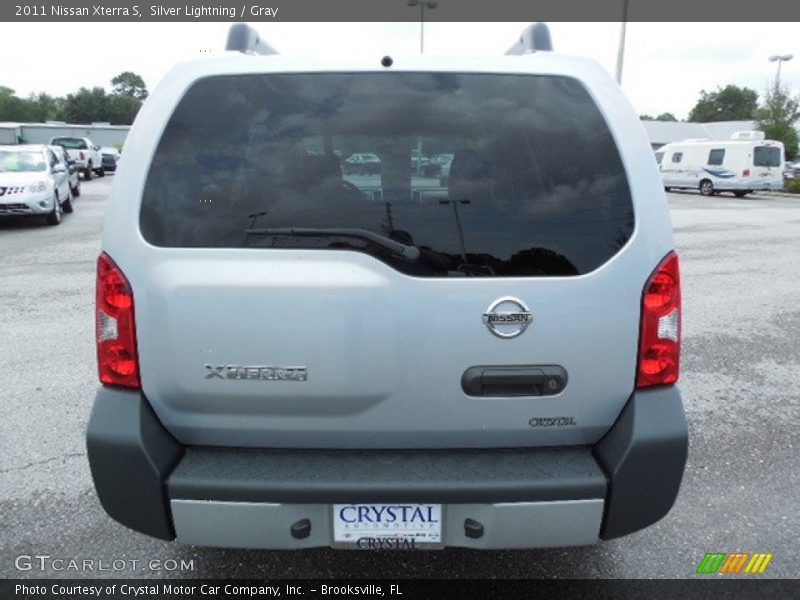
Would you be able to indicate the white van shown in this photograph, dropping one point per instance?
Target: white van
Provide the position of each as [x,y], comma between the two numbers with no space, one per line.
[745,163]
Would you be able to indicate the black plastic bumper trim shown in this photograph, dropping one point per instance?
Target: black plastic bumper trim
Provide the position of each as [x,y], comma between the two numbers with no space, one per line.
[130,455]
[643,456]
[330,476]
[137,467]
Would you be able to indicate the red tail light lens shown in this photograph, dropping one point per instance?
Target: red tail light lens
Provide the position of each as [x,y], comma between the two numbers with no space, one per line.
[117,360]
[746,173]
[660,329]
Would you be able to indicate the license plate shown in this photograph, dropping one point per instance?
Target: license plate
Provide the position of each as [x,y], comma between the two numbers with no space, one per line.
[387,526]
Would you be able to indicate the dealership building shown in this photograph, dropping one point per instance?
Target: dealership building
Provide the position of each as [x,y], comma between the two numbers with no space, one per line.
[102,134]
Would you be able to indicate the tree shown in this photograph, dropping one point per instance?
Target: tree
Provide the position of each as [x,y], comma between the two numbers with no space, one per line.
[86,106]
[667,116]
[13,108]
[9,104]
[45,106]
[777,115]
[731,103]
[129,83]
[122,109]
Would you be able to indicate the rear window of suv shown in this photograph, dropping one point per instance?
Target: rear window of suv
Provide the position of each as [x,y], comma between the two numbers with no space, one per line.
[481,174]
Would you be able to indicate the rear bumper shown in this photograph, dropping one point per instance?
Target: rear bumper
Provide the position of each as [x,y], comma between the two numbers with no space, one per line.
[525,497]
[752,183]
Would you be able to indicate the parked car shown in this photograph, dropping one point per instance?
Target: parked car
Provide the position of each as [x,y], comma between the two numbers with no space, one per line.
[791,170]
[288,362]
[362,163]
[111,157]
[84,152]
[425,166]
[443,160]
[33,182]
[72,169]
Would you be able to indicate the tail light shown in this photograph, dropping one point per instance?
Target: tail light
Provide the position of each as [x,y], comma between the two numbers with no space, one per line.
[746,173]
[660,328]
[117,360]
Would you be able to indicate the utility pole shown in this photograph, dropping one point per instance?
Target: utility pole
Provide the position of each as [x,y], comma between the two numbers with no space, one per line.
[621,49]
[422,6]
[780,59]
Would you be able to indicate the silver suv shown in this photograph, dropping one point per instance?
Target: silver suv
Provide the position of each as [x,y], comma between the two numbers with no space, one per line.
[293,355]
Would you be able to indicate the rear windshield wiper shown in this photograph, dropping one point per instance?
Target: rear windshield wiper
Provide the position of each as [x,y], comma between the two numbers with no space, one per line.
[407,252]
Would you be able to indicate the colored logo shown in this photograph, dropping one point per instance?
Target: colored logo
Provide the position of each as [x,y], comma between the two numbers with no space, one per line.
[736,562]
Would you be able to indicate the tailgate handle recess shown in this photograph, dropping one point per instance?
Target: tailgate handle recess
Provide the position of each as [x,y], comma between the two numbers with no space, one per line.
[512,380]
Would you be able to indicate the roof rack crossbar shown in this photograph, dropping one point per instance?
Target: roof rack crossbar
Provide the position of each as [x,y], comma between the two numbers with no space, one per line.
[243,38]
[534,38]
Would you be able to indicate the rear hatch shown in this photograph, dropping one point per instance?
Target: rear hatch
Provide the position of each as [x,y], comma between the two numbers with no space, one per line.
[292,299]
[768,164]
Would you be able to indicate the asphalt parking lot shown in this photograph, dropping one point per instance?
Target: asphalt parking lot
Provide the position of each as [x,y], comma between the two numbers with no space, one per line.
[740,379]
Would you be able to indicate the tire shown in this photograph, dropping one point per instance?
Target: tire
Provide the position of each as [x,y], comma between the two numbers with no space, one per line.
[67,205]
[88,173]
[76,191]
[101,172]
[741,193]
[54,216]
[706,187]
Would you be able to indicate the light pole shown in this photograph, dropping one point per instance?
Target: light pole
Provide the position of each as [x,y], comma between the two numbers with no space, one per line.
[621,48]
[431,4]
[422,6]
[780,58]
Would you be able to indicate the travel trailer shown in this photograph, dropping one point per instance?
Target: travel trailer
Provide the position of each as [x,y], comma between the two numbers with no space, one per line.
[745,163]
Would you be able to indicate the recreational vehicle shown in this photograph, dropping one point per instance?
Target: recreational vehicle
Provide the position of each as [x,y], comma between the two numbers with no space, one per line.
[745,163]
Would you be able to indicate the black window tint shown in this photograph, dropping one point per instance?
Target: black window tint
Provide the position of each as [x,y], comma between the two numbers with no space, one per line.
[677,156]
[716,156]
[766,156]
[71,143]
[486,175]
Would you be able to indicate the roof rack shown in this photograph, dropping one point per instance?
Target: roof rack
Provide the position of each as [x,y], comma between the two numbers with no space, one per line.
[243,38]
[534,38]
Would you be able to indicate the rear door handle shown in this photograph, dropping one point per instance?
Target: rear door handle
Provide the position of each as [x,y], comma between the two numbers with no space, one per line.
[514,380]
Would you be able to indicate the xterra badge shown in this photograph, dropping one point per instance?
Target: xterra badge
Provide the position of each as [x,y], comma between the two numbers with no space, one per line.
[507,317]
[262,373]
[552,422]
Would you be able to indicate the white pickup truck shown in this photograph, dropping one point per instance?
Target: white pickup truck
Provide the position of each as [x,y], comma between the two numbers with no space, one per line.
[84,152]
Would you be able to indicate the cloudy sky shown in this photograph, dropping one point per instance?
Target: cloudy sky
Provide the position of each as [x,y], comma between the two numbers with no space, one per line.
[666,64]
